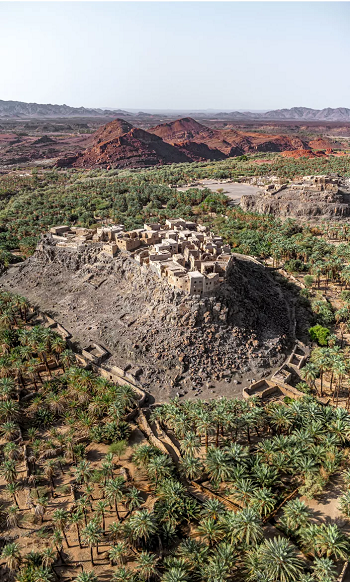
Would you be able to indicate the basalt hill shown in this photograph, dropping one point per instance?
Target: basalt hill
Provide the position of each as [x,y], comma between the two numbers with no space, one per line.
[119,144]
[172,341]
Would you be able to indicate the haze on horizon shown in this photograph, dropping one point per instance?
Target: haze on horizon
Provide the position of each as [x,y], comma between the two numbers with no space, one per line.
[176,55]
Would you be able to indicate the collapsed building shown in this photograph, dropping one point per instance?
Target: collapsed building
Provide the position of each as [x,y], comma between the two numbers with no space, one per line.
[311,198]
[188,256]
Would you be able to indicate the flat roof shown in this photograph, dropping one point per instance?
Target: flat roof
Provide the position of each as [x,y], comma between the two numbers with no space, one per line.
[193,274]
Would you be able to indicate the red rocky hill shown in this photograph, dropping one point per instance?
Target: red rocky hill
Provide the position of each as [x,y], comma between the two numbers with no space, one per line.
[119,145]
[228,141]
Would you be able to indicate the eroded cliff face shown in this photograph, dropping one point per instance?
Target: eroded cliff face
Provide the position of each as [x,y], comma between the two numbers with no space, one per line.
[182,344]
[302,201]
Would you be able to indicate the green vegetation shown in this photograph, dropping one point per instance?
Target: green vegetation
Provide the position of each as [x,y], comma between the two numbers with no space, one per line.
[88,483]
[128,511]
[319,334]
[30,204]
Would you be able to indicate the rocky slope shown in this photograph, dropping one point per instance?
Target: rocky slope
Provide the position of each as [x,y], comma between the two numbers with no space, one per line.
[180,343]
[119,145]
[229,141]
[300,200]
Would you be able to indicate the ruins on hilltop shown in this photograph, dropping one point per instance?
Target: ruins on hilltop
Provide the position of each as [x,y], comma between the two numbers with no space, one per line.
[310,198]
[187,256]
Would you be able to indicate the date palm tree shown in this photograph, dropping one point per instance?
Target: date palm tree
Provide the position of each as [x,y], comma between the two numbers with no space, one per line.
[330,541]
[83,505]
[12,516]
[57,539]
[86,577]
[48,557]
[107,469]
[83,472]
[42,351]
[216,569]
[12,556]
[140,526]
[159,467]
[194,552]
[91,535]
[7,388]
[76,518]
[244,526]
[40,508]
[118,553]
[58,346]
[115,529]
[9,410]
[147,565]
[12,489]
[67,358]
[132,499]
[100,509]
[190,445]
[243,491]
[213,508]
[210,531]
[9,430]
[114,492]
[8,471]
[296,515]
[49,474]
[324,570]
[43,575]
[60,519]
[205,427]
[123,575]
[218,465]
[280,561]
[263,501]
[175,574]
[142,455]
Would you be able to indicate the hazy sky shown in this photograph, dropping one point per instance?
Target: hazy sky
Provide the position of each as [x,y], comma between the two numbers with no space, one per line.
[176,55]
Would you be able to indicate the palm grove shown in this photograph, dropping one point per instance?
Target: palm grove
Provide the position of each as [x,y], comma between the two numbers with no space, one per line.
[254,463]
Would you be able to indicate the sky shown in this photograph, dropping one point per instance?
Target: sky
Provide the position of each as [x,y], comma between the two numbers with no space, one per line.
[176,55]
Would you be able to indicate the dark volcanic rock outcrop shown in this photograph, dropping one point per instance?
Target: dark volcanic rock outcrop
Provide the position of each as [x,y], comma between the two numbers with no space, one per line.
[179,341]
[45,139]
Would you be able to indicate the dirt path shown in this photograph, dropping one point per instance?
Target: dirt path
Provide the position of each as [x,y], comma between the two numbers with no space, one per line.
[234,190]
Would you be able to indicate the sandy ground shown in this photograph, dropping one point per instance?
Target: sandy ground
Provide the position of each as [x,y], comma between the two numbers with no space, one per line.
[233,190]
[325,507]
[25,535]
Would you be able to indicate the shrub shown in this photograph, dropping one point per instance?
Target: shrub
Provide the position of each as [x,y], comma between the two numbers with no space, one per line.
[110,432]
[118,448]
[308,281]
[303,387]
[295,266]
[319,334]
[345,295]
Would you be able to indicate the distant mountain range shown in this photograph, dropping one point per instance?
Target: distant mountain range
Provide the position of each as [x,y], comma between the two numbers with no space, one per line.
[295,114]
[21,110]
